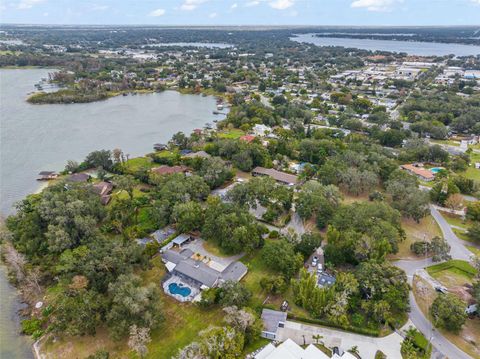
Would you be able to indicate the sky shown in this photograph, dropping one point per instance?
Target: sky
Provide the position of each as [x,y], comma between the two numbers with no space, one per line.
[242,12]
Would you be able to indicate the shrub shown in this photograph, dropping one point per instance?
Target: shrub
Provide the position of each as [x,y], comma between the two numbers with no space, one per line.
[30,326]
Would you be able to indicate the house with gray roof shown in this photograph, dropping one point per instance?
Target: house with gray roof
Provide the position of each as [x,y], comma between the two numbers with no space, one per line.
[272,320]
[197,273]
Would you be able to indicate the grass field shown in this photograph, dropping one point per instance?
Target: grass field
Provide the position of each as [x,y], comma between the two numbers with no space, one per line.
[456,266]
[134,164]
[454,220]
[474,250]
[231,134]
[426,229]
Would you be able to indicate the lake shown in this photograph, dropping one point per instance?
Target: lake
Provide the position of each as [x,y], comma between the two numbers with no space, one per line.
[43,137]
[409,47]
[38,138]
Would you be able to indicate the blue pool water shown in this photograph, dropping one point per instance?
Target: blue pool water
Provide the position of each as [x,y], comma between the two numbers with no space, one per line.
[175,288]
[436,169]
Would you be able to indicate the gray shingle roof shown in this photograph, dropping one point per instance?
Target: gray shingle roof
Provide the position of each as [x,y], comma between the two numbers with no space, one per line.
[234,271]
[172,256]
[198,271]
[271,318]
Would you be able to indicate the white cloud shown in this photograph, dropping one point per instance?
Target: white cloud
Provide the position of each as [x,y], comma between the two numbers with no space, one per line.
[375,5]
[189,5]
[281,4]
[234,6]
[252,3]
[213,15]
[158,12]
[476,2]
[28,4]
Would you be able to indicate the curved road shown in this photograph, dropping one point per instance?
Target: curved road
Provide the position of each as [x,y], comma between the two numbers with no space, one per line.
[442,346]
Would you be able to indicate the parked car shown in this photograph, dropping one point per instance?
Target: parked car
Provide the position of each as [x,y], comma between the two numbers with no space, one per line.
[441,289]
[284,306]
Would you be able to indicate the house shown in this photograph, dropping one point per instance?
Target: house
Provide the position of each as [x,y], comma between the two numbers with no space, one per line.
[47,175]
[168,170]
[419,171]
[197,273]
[161,235]
[247,138]
[272,320]
[261,130]
[199,154]
[290,350]
[78,178]
[160,147]
[325,280]
[281,177]
[103,189]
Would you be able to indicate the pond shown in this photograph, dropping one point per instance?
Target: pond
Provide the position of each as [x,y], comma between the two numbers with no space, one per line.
[409,47]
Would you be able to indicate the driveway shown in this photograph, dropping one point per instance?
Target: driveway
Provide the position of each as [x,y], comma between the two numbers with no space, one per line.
[220,262]
[367,346]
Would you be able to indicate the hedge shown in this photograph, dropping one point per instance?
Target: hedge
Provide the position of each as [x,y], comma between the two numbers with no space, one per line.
[455,264]
[348,328]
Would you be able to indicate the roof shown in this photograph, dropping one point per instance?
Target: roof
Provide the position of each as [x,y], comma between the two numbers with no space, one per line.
[167,170]
[181,239]
[276,175]
[198,271]
[78,177]
[271,318]
[247,138]
[202,154]
[419,171]
[172,256]
[234,271]
[102,188]
[325,280]
[162,234]
[290,350]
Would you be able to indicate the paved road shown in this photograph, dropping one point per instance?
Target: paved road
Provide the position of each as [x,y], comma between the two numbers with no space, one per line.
[458,250]
[442,346]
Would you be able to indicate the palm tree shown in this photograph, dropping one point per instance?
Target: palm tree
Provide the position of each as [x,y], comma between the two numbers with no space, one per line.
[354,350]
[317,338]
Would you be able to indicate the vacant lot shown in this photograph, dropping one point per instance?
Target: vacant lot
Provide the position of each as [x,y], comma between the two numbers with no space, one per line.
[426,229]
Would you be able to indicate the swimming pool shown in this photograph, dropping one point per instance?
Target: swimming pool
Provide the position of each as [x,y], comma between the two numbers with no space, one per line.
[180,289]
[436,169]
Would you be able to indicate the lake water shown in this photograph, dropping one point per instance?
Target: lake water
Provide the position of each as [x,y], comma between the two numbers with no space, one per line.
[409,47]
[38,138]
[43,137]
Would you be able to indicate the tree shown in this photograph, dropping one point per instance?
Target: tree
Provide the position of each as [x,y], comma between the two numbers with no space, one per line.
[317,338]
[473,211]
[139,339]
[440,249]
[243,321]
[474,232]
[132,304]
[215,172]
[455,201]
[448,312]
[308,243]
[77,312]
[233,293]
[126,183]
[102,158]
[219,343]
[188,216]
[280,255]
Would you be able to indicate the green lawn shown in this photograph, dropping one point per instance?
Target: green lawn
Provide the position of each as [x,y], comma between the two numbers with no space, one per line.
[426,229]
[455,266]
[454,220]
[134,164]
[474,250]
[231,134]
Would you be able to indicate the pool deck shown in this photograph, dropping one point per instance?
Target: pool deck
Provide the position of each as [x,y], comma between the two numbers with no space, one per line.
[175,279]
